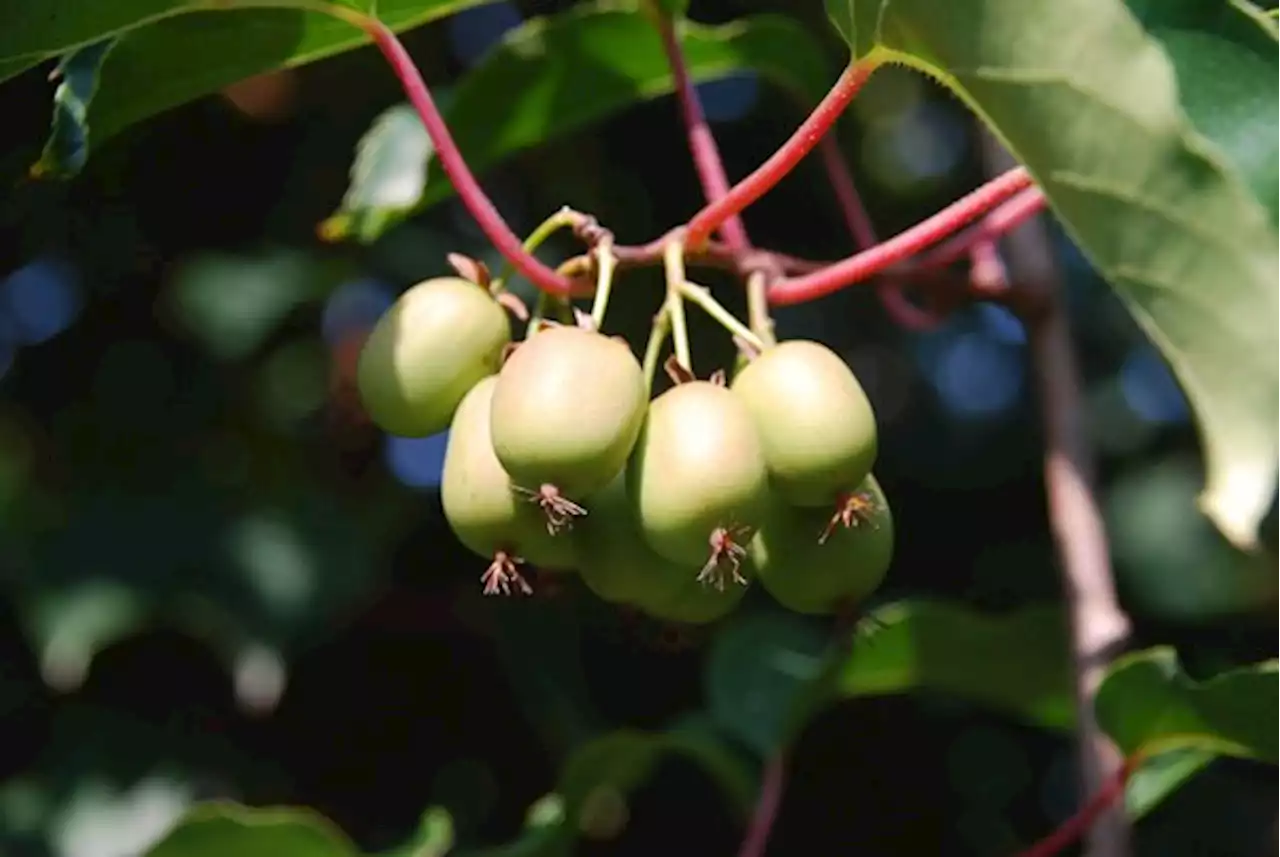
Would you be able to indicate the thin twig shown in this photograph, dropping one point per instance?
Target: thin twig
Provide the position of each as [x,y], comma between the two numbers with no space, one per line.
[702,143]
[1099,628]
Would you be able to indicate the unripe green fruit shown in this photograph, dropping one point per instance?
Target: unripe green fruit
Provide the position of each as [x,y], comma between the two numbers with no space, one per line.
[815,422]
[809,575]
[482,507]
[697,469]
[567,410]
[432,346]
[695,603]
[615,562]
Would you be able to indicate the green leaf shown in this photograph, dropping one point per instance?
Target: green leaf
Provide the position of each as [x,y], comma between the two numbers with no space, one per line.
[621,761]
[601,773]
[171,52]
[1088,100]
[68,145]
[1160,777]
[1015,663]
[1148,705]
[758,667]
[768,674]
[555,75]
[388,177]
[434,838]
[1232,97]
[219,829]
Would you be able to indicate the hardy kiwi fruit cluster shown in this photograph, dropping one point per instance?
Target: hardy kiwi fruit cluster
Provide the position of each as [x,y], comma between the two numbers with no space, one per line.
[558,459]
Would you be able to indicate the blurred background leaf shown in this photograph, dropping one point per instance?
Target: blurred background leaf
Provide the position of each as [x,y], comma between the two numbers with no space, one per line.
[555,76]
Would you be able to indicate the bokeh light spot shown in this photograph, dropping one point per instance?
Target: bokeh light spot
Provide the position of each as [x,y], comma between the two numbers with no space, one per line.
[976,377]
[473,31]
[275,561]
[1002,325]
[417,461]
[43,299]
[1150,389]
[729,98]
[354,307]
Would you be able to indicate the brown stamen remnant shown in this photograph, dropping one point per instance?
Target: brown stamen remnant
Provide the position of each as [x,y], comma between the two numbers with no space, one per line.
[727,554]
[677,373]
[852,510]
[512,303]
[470,269]
[719,378]
[502,574]
[559,510]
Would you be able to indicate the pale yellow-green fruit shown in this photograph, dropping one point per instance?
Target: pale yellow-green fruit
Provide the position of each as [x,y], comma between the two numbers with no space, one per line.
[697,467]
[480,503]
[816,425]
[432,346]
[567,409]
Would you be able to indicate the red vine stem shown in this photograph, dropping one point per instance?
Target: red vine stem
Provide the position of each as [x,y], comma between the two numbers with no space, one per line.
[876,259]
[455,167]
[851,208]
[1005,218]
[755,843]
[783,161]
[1077,825]
[702,143]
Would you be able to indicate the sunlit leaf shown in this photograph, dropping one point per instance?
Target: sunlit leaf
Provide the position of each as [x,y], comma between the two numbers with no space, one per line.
[170,52]
[219,829]
[1160,777]
[67,148]
[1148,705]
[388,177]
[1093,105]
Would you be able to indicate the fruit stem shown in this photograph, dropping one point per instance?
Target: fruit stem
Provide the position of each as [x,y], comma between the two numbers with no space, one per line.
[758,308]
[653,348]
[562,219]
[702,297]
[606,263]
[783,161]
[455,166]
[673,257]
[876,259]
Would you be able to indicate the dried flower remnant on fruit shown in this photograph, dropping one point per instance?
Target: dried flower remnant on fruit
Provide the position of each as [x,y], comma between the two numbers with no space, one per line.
[727,555]
[853,509]
[470,269]
[502,574]
[558,509]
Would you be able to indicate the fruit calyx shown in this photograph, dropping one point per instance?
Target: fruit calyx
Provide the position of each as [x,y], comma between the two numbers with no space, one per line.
[728,552]
[558,509]
[503,573]
[853,509]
